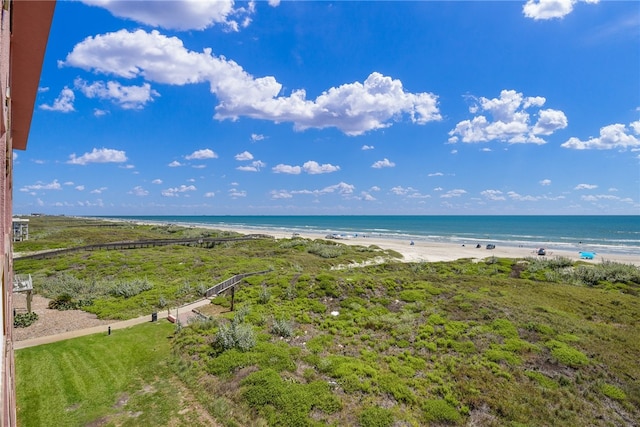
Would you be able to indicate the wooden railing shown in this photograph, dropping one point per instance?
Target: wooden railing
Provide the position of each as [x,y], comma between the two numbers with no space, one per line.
[202,241]
[230,283]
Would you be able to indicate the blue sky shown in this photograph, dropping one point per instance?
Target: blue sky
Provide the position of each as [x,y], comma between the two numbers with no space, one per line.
[343,107]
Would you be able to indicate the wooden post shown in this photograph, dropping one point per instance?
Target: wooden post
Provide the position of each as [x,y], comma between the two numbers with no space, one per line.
[29,297]
[233,294]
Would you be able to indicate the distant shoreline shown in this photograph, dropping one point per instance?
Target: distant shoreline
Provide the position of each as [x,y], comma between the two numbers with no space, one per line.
[600,234]
[422,250]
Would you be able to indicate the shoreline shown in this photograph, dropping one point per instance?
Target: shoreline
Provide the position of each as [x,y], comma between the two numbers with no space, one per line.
[422,250]
[558,233]
[427,251]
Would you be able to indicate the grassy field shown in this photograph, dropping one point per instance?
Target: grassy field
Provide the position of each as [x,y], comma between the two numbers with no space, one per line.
[120,379]
[495,343]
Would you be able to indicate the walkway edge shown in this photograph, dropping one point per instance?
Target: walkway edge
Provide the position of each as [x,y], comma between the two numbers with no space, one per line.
[17,345]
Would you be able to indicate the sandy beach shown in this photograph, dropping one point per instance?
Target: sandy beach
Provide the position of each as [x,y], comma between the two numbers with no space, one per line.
[425,251]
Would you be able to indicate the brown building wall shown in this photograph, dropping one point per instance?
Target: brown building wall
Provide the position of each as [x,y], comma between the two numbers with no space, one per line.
[24,34]
[8,373]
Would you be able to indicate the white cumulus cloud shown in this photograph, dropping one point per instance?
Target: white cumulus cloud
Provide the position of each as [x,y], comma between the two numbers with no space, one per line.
[611,136]
[176,191]
[98,190]
[550,9]
[63,103]
[597,197]
[311,167]
[585,187]
[341,188]
[367,197]
[493,194]
[515,196]
[128,97]
[179,15]
[38,186]
[314,168]
[510,121]
[288,169]
[234,193]
[384,163]
[453,193]
[101,155]
[138,191]
[202,154]
[354,108]
[245,155]
[255,166]
[280,194]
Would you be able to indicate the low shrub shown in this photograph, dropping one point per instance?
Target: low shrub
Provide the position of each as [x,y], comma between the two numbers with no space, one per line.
[282,328]
[240,336]
[66,284]
[325,250]
[542,380]
[285,403]
[504,328]
[566,354]
[613,392]
[411,295]
[375,417]
[130,288]
[235,335]
[24,320]
[265,295]
[438,410]
[67,302]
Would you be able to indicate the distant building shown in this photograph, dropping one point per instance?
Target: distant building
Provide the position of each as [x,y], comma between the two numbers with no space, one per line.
[24,32]
[20,229]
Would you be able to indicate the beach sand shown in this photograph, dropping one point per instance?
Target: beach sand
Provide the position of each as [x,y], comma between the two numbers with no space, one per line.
[425,251]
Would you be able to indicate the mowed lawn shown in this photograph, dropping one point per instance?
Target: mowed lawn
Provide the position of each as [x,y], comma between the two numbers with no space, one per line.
[118,379]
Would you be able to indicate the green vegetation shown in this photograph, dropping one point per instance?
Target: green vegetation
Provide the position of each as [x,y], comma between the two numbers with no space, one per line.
[118,379]
[24,320]
[498,342]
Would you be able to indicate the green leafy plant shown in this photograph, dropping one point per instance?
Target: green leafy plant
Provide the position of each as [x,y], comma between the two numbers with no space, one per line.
[24,320]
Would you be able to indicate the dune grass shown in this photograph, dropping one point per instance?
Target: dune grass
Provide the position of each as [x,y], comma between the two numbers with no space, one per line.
[172,275]
[497,342]
[428,344]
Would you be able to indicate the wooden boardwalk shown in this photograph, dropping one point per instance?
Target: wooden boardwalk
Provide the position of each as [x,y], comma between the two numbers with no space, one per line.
[207,242]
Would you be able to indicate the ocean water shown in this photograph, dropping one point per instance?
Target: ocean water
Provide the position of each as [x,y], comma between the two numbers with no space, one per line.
[604,234]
